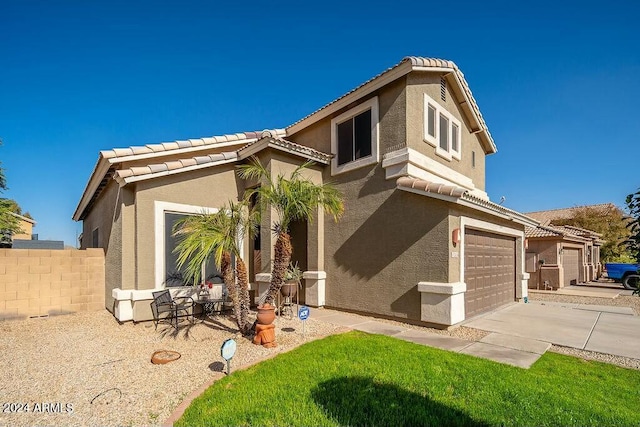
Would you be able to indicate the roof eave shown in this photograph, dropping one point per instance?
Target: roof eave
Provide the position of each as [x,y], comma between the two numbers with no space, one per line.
[122,181]
[390,76]
[98,173]
[252,149]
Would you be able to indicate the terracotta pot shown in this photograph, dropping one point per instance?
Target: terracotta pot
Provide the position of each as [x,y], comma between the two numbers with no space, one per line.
[289,289]
[266,314]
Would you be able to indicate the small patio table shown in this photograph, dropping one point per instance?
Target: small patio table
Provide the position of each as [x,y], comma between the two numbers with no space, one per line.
[210,306]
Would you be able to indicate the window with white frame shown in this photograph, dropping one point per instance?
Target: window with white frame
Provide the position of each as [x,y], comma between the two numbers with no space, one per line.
[167,273]
[441,129]
[354,137]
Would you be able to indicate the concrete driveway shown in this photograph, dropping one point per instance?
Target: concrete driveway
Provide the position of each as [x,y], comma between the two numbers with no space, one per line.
[605,329]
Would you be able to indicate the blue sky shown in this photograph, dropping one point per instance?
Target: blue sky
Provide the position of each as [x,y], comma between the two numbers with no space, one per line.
[557,83]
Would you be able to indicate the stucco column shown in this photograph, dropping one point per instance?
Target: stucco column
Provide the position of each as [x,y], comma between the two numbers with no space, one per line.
[267,242]
[315,276]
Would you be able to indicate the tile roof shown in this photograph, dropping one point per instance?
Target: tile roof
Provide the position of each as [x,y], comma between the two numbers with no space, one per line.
[417,62]
[274,141]
[137,173]
[542,231]
[431,187]
[464,195]
[578,231]
[168,147]
[561,232]
[546,217]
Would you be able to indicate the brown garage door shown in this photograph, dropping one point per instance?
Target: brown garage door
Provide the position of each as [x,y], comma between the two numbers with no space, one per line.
[489,271]
[570,266]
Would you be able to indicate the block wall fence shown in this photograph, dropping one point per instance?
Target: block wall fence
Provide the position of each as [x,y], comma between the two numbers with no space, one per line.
[40,282]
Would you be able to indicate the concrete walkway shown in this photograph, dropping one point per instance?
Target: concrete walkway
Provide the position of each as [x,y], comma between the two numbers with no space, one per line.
[605,329]
[516,351]
[593,289]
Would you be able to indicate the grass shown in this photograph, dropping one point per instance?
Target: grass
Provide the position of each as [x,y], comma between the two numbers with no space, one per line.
[362,379]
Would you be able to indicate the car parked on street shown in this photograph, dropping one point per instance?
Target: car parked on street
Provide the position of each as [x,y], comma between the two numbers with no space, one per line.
[627,274]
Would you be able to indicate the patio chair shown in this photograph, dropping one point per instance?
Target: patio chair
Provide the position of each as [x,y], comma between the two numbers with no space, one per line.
[163,302]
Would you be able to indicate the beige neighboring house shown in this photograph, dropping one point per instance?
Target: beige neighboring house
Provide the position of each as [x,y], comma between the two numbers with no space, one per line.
[571,255]
[420,240]
[26,228]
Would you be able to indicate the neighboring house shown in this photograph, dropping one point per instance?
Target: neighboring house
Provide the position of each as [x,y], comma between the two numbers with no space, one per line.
[419,241]
[587,257]
[25,239]
[26,227]
[558,256]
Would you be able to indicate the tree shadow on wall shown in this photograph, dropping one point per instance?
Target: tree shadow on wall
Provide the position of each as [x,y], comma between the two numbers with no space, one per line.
[388,232]
[359,401]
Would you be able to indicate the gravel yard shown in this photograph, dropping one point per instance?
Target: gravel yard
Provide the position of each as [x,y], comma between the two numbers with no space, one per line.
[101,370]
[87,369]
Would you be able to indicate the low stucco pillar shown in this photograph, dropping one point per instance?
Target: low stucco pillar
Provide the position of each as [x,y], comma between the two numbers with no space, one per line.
[123,310]
[522,290]
[314,288]
[442,303]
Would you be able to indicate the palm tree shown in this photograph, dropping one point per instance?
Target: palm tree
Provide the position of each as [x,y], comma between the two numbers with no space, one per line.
[293,198]
[218,234]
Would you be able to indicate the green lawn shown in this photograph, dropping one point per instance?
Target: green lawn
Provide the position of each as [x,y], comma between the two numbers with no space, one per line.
[361,379]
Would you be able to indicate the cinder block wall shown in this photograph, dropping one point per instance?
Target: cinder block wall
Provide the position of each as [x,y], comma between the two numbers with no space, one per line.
[39,282]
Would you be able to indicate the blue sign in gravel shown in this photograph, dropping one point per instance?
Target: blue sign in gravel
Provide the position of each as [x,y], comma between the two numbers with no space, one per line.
[303,313]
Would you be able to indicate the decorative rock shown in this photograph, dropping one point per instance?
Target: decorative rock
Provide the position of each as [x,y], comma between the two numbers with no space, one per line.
[161,357]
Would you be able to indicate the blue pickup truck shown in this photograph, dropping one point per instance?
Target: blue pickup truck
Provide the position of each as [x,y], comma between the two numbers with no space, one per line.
[627,274]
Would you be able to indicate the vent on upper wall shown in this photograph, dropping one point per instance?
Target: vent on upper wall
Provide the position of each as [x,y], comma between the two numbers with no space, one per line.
[443,89]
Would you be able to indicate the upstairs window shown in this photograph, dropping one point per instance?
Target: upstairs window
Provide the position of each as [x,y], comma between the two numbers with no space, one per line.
[441,129]
[354,137]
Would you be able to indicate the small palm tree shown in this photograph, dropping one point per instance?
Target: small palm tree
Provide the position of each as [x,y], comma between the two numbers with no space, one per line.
[205,235]
[293,198]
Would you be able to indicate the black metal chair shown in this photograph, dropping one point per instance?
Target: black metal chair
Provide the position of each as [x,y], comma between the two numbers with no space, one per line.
[163,302]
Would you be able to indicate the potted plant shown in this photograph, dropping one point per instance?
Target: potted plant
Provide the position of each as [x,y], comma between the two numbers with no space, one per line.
[292,280]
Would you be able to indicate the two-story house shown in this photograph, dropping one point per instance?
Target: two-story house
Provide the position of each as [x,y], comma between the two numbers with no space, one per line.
[419,241]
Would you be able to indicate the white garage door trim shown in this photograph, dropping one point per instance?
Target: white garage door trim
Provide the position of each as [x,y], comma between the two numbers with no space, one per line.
[521,276]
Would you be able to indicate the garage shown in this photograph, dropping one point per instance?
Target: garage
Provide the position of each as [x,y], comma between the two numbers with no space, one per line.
[570,266]
[489,271]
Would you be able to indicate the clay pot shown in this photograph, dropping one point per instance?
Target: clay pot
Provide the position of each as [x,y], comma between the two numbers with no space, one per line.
[289,289]
[266,314]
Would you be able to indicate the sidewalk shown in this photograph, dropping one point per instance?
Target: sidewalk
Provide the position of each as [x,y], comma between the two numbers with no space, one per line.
[516,351]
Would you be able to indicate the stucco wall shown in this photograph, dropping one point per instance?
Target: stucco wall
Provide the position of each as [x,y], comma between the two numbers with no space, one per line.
[106,216]
[417,85]
[26,230]
[391,114]
[39,282]
[550,271]
[386,242]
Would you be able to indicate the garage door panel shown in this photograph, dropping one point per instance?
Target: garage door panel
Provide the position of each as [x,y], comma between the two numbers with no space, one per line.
[571,266]
[489,271]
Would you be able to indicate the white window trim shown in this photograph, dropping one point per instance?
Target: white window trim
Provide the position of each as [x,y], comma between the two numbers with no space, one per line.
[372,105]
[160,208]
[449,153]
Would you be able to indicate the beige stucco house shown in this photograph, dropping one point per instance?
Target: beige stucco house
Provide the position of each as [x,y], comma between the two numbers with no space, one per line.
[26,228]
[570,255]
[419,241]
